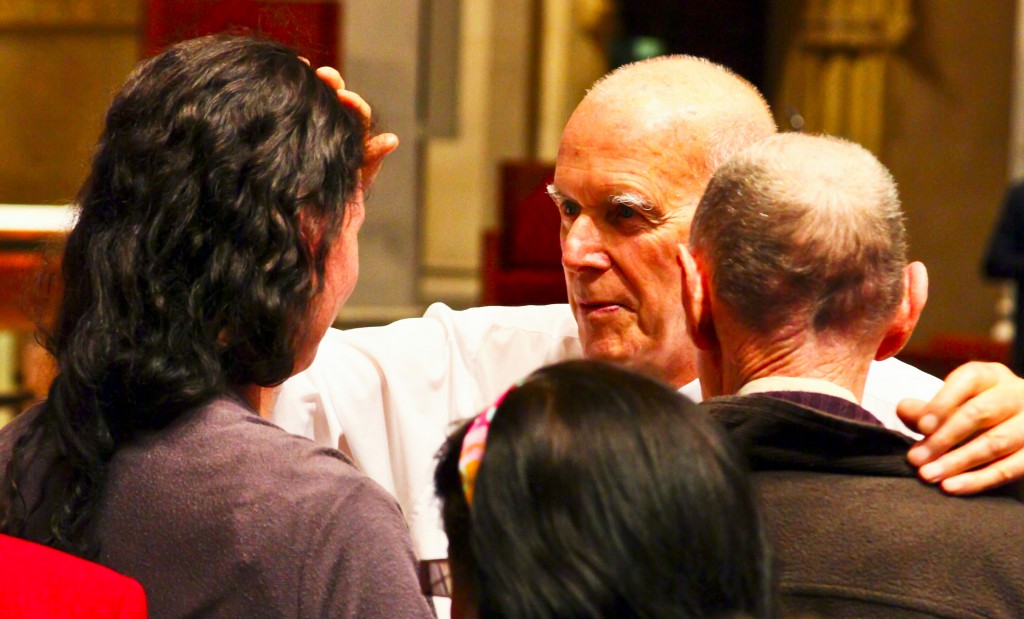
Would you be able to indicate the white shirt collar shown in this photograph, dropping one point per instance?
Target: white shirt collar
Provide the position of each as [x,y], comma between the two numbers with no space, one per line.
[776,383]
[795,383]
[692,391]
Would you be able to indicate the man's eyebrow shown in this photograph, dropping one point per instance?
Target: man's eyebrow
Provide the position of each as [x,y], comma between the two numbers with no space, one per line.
[556,195]
[632,200]
[629,198]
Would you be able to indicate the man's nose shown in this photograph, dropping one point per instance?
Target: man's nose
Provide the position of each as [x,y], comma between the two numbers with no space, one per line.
[583,246]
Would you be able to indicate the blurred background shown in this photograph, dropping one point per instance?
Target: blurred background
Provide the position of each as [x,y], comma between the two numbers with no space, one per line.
[479,90]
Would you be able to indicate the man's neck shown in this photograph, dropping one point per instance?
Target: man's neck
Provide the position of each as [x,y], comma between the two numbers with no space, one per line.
[850,379]
[261,399]
[838,365]
[677,379]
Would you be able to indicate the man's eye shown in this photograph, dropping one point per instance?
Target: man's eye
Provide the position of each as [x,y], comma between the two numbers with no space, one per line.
[624,212]
[570,208]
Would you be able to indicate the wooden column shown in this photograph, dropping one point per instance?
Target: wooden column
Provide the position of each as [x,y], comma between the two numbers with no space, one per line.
[834,74]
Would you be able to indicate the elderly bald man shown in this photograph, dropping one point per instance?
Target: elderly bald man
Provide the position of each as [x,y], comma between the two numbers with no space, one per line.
[629,174]
[796,280]
[632,165]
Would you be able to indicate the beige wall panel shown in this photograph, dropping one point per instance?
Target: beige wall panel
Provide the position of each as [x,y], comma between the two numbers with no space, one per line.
[458,170]
[67,13]
[54,90]
[946,141]
[461,172]
[388,75]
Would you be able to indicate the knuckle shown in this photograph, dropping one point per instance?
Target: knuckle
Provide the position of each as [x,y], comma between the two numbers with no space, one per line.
[993,368]
[996,445]
[1003,475]
[977,415]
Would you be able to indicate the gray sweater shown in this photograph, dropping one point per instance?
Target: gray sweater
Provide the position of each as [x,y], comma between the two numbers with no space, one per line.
[223,514]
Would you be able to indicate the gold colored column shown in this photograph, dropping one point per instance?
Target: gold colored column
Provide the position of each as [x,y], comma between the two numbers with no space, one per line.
[834,74]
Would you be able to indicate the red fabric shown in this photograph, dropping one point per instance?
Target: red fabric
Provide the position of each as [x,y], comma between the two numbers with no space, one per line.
[312,28]
[529,217]
[36,581]
[528,287]
[24,301]
[522,263]
[532,242]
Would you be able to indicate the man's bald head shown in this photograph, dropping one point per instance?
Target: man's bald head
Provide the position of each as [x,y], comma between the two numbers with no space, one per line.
[632,165]
[696,104]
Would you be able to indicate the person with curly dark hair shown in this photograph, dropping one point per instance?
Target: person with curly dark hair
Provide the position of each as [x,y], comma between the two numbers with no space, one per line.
[215,243]
[589,490]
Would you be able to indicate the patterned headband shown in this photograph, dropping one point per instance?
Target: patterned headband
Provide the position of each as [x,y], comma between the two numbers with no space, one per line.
[473,445]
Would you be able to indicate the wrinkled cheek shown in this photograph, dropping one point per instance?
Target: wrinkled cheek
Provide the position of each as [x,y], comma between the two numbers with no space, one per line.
[614,340]
[649,323]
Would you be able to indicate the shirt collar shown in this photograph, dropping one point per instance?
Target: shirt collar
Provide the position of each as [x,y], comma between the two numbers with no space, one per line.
[692,391]
[796,383]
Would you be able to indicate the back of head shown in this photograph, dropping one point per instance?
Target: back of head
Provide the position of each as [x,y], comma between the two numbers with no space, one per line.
[602,493]
[804,231]
[217,187]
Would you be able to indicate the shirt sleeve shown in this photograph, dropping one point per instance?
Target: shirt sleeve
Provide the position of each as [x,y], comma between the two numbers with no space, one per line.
[388,396]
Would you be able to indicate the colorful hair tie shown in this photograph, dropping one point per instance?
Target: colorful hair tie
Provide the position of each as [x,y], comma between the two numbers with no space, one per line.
[473,445]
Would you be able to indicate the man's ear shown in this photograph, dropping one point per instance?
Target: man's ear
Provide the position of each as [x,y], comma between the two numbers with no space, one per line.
[915,295]
[700,324]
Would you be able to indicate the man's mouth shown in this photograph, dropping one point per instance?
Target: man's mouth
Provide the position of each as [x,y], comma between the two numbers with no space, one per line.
[599,307]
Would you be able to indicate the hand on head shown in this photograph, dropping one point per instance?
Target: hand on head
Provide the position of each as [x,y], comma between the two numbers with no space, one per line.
[377,146]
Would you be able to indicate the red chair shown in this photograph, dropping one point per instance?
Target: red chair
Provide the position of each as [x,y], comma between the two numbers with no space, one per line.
[522,262]
[37,581]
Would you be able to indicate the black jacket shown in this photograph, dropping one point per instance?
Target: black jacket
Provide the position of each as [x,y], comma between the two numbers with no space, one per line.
[855,532]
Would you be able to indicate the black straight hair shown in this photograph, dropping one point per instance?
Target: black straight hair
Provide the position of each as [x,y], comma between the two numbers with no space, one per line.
[603,493]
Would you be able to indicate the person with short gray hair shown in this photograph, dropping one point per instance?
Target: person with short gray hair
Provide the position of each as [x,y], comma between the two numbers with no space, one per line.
[804,229]
[796,279]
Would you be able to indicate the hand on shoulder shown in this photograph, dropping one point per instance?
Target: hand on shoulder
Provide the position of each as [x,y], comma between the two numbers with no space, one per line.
[973,429]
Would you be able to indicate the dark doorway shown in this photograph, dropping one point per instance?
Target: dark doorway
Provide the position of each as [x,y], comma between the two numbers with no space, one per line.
[729,32]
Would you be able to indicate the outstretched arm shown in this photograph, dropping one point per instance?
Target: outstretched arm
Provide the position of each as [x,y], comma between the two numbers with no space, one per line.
[973,427]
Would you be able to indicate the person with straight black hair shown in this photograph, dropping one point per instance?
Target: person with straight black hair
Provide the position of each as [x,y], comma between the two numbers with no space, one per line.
[592,491]
[215,243]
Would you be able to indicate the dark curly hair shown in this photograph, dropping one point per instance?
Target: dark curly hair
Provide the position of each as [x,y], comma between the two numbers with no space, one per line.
[217,188]
[603,493]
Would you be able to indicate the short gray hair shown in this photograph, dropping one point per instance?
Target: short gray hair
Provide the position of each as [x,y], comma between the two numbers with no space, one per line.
[806,231]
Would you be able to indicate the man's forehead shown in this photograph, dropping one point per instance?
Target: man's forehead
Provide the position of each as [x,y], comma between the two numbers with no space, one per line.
[639,120]
[598,174]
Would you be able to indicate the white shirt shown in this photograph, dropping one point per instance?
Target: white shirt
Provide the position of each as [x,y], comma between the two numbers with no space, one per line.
[388,396]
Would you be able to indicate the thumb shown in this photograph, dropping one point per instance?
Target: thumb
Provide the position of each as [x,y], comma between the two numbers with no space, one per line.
[377,149]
